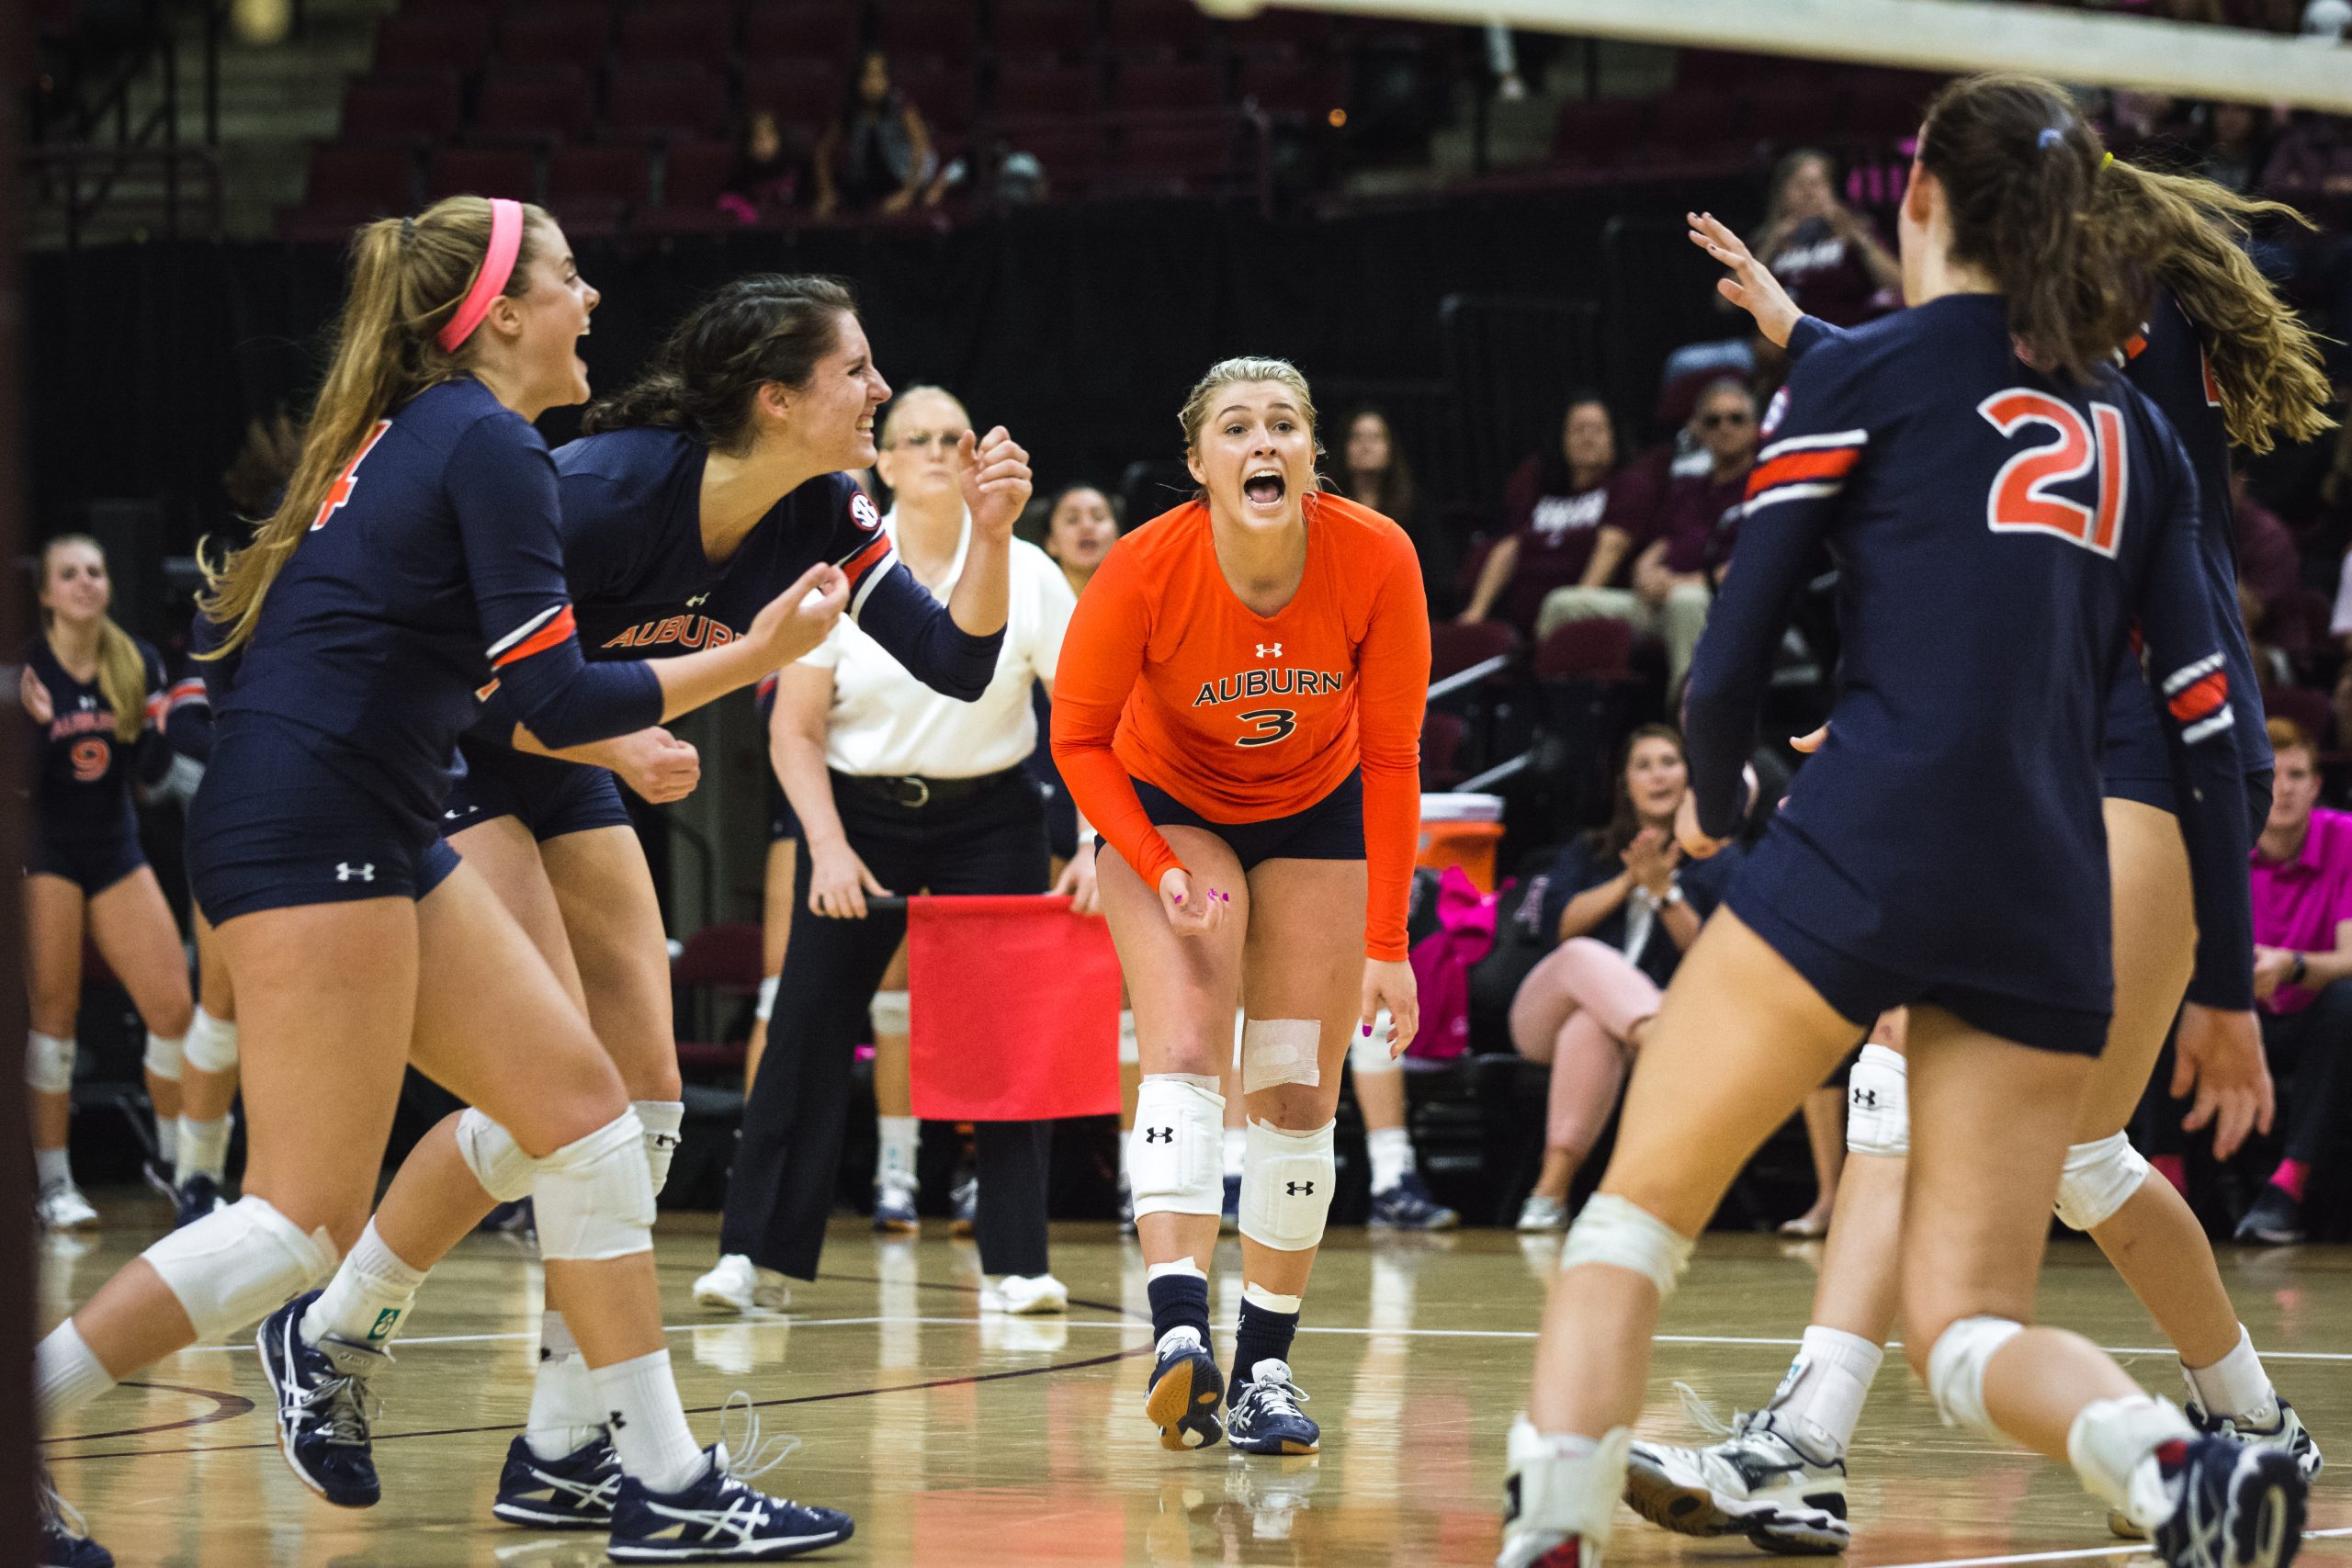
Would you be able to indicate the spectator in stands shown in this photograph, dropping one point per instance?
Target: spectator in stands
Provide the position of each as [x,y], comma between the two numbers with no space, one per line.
[1687,540]
[1372,469]
[1822,251]
[2303,976]
[2235,147]
[1561,535]
[1623,908]
[876,155]
[1081,524]
[763,180]
[2271,586]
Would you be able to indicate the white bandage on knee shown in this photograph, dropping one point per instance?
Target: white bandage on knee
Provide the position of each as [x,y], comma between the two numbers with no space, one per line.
[1620,1233]
[1878,1104]
[1368,1054]
[238,1264]
[1276,1051]
[2099,1179]
[48,1064]
[2112,1445]
[1286,1181]
[593,1198]
[663,1118]
[765,1008]
[889,1012]
[1956,1370]
[1176,1153]
[211,1044]
[1130,1049]
[498,1162]
[163,1052]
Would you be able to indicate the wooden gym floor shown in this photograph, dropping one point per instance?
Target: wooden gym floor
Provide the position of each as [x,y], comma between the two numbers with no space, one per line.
[958,1439]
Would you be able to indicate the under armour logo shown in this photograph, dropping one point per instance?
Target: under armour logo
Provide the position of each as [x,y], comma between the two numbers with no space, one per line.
[346,872]
[615,1422]
[1867,1099]
[1270,650]
[1299,1188]
[697,600]
[1160,1134]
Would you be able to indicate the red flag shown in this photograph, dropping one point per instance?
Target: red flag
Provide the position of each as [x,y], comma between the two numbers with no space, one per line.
[1014,1005]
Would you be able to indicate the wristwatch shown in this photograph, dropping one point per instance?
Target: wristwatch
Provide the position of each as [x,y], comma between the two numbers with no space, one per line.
[1673,894]
[2295,975]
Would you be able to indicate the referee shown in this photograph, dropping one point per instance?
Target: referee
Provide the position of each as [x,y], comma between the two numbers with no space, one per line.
[900,790]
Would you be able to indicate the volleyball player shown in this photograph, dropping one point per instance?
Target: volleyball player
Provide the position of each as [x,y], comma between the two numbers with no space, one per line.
[415,566]
[692,499]
[1944,850]
[1238,711]
[208,1076]
[95,695]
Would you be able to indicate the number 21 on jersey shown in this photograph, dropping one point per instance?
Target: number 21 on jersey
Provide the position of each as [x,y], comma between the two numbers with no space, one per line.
[2021,499]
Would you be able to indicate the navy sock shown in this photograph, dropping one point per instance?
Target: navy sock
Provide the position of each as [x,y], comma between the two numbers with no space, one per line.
[1180,1300]
[1262,1333]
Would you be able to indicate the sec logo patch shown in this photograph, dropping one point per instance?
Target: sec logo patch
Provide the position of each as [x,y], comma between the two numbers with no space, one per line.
[862,512]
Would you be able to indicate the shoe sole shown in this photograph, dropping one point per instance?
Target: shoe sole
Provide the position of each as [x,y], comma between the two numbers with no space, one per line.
[534,1518]
[1431,1228]
[898,1227]
[2270,1531]
[277,1399]
[760,1551]
[1283,1447]
[1172,1401]
[1697,1511]
[717,1303]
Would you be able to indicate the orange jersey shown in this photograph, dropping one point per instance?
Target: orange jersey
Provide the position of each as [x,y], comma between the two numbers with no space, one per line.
[1166,676]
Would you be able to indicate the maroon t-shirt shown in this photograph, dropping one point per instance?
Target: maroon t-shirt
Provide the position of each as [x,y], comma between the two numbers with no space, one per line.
[1691,521]
[1825,275]
[1555,526]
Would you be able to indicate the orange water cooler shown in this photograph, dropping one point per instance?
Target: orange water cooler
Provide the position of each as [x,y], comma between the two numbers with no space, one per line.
[1464,830]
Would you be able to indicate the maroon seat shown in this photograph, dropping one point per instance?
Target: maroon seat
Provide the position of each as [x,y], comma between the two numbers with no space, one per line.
[724,960]
[1442,737]
[1153,84]
[1045,89]
[432,42]
[1889,103]
[1177,157]
[572,33]
[534,107]
[2312,711]
[926,26]
[591,190]
[1168,26]
[1043,27]
[693,175]
[804,93]
[1795,113]
[348,185]
[800,29]
[1454,646]
[1293,83]
[1690,122]
[1301,34]
[1073,152]
[1599,133]
[941,88]
[481,171]
[698,32]
[665,101]
[403,111]
[1601,647]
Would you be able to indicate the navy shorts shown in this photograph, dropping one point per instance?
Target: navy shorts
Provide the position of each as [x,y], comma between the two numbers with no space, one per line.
[784,823]
[551,798]
[274,827]
[2135,763]
[1331,829]
[91,853]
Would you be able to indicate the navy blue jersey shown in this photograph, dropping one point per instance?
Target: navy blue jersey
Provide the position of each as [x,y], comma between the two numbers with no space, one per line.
[433,576]
[82,771]
[1996,533]
[187,708]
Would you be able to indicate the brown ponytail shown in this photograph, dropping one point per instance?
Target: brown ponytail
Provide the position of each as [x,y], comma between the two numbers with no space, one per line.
[122,668]
[407,276]
[2187,233]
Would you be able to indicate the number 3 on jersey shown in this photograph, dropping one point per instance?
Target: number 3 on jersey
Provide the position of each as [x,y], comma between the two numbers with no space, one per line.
[2022,501]
[1272,725]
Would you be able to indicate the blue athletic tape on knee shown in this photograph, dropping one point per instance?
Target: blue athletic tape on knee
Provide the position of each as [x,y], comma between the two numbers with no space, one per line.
[48,1064]
[498,1162]
[164,1053]
[2099,1178]
[1956,1370]
[1286,1181]
[593,1199]
[1878,1104]
[238,1264]
[889,1012]
[1368,1054]
[663,1118]
[1624,1235]
[211,1045]
[1176,1153]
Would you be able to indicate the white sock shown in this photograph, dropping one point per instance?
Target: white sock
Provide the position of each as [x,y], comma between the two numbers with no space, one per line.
[2113,1445]
[2236,1386]
[167,1141]
[1823,1394]
[203,1148]
[1391,1149]
[66,1375]
[369,1294]
[566,1415]
[53,1167]
[649,1425]
[894,1161]
[1237,1149]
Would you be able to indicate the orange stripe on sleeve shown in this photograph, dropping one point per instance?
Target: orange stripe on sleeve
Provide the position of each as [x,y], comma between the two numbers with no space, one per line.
[558,630]
[2201,698]
[1830,463]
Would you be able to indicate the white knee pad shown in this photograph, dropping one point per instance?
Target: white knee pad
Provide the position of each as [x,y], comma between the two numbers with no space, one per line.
[2099,1179]
[1878,1104]
[1176,1153]
[48,1064]
[663,1118]
[211,1044]
[889,1012]
[1276,1051]
[163,1059]
[498,1162]
[1956,1370]
[593,1198]
[238,1264]
[1620,1233]
[1368,1054]
[765,1009]
[1130,1049]
[1286,1180]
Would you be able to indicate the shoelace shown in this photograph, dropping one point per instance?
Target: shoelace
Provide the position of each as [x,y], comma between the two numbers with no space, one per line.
[1702,1414]
[339,1407]
[1276,1397]
[55,1510]
[757,1455]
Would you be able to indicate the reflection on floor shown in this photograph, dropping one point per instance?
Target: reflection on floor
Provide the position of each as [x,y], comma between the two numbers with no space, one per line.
[960,1438]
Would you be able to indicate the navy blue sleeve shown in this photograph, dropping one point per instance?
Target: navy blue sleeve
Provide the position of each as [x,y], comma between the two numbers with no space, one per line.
[897,612]
[1570,874]
[1809,334]
[1704,883]
[152,757]
[502,484]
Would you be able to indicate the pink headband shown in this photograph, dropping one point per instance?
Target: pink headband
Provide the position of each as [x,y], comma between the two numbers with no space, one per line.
[497,268]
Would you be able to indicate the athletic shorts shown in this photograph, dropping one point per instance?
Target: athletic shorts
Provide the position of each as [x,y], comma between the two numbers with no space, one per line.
[275,827]
[1331,829]
[2135,763]
[551,798]
[783,824]
[92,853]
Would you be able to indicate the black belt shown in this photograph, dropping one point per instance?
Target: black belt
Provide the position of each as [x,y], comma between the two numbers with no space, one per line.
[912,794]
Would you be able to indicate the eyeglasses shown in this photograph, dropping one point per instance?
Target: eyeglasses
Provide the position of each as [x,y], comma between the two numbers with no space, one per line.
[924,440]
[1712,421]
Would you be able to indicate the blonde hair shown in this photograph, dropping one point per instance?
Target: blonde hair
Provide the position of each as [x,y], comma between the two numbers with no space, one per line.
[122,668]
[1247,367]
[408,275]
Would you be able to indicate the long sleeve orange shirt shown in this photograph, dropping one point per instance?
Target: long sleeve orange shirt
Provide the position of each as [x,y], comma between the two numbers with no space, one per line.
[1166,676]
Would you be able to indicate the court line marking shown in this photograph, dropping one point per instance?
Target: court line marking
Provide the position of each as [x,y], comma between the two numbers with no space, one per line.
[2126,1548]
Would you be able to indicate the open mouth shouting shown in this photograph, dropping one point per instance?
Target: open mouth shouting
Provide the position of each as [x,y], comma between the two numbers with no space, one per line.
[1264,490]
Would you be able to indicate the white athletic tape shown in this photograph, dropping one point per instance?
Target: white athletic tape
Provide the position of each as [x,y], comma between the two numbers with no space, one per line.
[1878,1104]
[2099,1178]
[1276,1051]
[1368,1054]
[2110,1444]
[1567,1485]
[498,1162]
[48,1064]
[1956,1370]
[211,1044]
[767,1008]
[593,1198]
[164,1053]
[238,1264]
[1619,1232]
[1286,1181]
[1130,1051]
[1176,1153]
[663,1118]
[888,1012]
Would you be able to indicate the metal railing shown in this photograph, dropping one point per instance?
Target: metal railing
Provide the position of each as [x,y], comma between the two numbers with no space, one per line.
[86,137]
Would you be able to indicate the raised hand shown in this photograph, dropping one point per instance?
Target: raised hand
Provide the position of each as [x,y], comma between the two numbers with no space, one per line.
[798,619]
[1751,285]
[993,471]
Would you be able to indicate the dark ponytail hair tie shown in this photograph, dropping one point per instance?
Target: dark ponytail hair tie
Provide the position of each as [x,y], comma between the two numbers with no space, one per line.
[408,233]
[2051,136]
